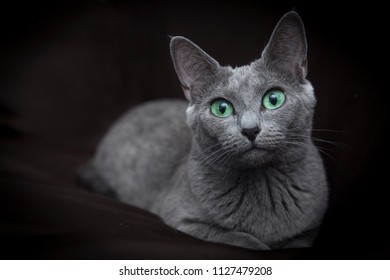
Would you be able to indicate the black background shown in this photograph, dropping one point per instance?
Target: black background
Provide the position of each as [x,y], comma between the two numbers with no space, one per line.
[69,69]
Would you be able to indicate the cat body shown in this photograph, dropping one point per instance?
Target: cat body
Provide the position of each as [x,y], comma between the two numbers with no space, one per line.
[235,164]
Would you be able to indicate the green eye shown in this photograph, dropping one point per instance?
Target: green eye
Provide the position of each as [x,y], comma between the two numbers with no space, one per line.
[273,99]
[222,108]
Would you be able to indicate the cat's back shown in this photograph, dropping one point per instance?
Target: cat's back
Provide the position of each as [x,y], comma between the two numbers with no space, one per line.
[141,151]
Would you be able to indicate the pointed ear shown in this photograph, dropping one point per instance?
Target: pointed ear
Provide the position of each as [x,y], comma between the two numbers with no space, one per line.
[193,66]
[287,48]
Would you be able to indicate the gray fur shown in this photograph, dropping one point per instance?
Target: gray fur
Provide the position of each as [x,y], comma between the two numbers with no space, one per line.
[201,174]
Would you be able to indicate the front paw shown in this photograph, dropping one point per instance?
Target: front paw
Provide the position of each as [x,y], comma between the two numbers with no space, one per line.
[212,233]
[243,239]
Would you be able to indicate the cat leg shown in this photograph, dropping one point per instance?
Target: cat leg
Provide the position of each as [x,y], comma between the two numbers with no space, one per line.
[242,239]
[88,176]
[214,233]
[303,240]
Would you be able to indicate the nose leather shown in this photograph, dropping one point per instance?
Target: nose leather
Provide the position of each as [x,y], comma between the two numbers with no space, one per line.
[251,133]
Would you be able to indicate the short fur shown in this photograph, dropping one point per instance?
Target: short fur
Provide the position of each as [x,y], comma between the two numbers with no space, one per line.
[201,174]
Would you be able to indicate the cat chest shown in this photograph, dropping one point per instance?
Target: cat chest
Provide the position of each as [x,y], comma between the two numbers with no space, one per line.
[269,208]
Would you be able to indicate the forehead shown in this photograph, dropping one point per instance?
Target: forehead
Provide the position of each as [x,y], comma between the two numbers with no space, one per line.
[257,78]
[246,82]
[242,77]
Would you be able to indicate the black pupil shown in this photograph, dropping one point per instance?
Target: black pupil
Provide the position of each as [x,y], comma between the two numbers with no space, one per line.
[273,99]
[222,107]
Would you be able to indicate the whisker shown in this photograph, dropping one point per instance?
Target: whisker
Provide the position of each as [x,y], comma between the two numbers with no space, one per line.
[315,139]
[320,149]
[318,130]
[224,163]
[211,147]
[211,154]
[219,160]
[338,144]
[327,130]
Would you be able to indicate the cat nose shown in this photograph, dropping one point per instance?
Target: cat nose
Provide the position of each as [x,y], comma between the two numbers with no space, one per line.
[251,133]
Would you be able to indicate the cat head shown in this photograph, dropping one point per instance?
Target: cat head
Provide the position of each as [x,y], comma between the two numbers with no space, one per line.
[251,114]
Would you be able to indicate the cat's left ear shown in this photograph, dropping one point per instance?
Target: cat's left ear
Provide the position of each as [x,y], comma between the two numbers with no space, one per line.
[194,67]
[287,48]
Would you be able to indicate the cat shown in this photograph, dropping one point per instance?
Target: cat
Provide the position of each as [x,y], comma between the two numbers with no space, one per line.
[235,163]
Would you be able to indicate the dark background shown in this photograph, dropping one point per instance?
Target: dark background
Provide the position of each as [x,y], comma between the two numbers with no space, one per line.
[69,69]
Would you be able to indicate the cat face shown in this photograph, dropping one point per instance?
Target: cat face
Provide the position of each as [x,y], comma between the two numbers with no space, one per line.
[251,114]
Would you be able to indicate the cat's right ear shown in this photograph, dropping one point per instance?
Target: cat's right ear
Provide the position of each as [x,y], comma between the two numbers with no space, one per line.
[193,66]
[287,48]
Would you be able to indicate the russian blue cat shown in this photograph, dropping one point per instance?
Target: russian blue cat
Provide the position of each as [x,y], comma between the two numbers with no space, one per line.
[235,164]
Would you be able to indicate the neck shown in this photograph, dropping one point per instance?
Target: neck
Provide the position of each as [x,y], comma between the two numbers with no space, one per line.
[249,198]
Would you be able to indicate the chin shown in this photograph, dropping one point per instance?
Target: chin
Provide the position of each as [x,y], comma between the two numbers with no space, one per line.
[255,157]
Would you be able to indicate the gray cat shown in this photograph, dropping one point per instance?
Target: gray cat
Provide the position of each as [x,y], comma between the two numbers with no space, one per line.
[235,164]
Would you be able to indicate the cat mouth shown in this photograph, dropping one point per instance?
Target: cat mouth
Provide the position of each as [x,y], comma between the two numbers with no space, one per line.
[257,149]
[256,155]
